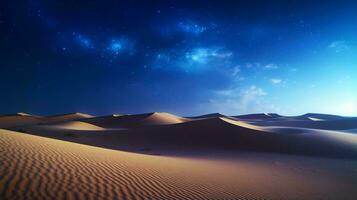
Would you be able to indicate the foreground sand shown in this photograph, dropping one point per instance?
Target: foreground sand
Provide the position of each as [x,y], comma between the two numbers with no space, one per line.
[34,167]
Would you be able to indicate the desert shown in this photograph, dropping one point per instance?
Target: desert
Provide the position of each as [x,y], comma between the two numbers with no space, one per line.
[163,156]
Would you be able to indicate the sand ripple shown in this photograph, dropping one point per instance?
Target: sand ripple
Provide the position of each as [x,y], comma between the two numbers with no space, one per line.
[34,167]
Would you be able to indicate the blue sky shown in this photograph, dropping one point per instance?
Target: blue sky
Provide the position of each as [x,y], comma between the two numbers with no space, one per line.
[189,58]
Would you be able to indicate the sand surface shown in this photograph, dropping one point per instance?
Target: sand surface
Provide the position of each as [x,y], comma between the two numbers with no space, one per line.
[163,156]
[34,167]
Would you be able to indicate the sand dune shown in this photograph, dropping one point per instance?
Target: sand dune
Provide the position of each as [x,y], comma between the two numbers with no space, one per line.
[258,116]
[66,117]
[277,117]
[243,124]
[309,120]
[19,119]
[125,121]
[210,157]
[41,168]
[208,116]
[323,116]
[335,124]
[211,134]
[73,125]
[223,133]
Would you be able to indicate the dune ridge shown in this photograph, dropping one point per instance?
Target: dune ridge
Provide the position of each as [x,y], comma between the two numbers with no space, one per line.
[66,117]
[212,115]
[258,116]
[333,124]
[19,119]
[126,121]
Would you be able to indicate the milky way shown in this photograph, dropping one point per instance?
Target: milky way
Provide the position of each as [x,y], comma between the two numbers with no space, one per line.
[83,41]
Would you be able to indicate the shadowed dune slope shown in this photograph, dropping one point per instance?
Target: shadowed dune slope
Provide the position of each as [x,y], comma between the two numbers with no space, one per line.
[41,168]
[324,116]
[130,121]
[276,117]
[19,119]
[334,124]
[217,134]
[224,133]
[258,116]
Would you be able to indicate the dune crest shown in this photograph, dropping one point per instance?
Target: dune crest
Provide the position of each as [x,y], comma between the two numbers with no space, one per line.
[66,117]
[160,118]
[242,124]
[211,115]
[126,121]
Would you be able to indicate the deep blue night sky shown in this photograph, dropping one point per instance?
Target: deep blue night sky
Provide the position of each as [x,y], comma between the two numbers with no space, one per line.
[184,57]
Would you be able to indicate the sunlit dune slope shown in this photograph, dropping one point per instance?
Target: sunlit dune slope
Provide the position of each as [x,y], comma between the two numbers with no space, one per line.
[66,117]
[33,167]
[72,125]
[128,121]
[212,115]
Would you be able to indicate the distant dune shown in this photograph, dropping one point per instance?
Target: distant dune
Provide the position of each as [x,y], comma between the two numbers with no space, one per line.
[208,116]
[18,119]
[24,119]
[127,121]
[66,117]
[40,168]
[215,133]
[314,123]
[258,116]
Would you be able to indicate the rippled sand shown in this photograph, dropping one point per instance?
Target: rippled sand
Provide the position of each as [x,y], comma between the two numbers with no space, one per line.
[34,167]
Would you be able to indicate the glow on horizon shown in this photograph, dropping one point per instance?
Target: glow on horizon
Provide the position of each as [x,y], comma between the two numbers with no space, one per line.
[349,109]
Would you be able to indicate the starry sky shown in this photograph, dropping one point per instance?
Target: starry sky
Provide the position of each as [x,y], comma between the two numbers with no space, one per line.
[185,57]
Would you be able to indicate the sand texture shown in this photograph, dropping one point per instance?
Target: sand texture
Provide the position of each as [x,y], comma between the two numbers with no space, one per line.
[162,156]
[40,168]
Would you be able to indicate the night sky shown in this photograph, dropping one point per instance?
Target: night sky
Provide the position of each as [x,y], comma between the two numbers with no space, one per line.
[183,57]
